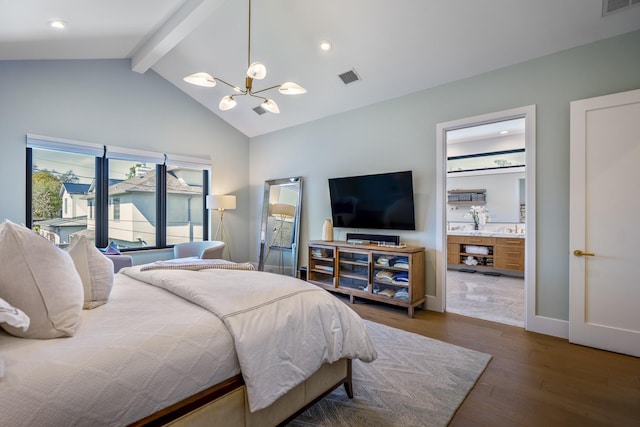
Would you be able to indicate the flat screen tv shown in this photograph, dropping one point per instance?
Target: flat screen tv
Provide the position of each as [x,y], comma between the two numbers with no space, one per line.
[380,201]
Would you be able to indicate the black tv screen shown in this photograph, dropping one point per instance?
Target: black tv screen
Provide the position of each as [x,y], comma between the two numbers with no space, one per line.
[381,201]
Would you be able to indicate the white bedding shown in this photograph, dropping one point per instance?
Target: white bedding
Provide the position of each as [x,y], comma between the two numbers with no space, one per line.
[142,351]
[284,329]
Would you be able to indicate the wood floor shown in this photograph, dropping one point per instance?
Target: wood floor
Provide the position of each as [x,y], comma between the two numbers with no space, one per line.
[533,379]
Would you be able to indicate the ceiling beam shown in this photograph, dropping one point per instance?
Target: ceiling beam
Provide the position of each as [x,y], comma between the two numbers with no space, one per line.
[173,31]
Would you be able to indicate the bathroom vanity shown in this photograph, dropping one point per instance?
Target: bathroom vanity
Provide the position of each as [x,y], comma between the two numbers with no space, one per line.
[486,251]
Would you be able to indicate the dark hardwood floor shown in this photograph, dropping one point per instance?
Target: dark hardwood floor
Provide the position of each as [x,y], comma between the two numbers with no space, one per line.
[533,379]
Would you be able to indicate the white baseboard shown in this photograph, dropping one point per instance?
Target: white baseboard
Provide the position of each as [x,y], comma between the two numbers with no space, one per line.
[434,303]
[548,326]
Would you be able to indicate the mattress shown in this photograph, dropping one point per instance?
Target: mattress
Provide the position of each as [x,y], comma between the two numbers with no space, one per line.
[142,351]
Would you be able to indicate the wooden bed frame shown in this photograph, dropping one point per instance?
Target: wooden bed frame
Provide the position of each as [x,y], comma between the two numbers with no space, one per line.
[226,403]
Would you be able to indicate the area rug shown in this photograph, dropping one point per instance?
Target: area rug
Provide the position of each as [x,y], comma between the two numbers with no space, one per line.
[415,381]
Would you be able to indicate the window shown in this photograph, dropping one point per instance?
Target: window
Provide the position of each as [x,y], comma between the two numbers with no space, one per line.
[60,183]
[133,198]
[116,208]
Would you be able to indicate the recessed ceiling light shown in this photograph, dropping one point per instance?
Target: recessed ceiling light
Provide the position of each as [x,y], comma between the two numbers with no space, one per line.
[504,132]
[325,45]
[58,24]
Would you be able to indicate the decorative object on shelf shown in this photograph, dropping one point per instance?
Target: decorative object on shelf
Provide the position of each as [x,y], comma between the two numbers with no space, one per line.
[327,231]
[221,202]
[255,71]
[479,214]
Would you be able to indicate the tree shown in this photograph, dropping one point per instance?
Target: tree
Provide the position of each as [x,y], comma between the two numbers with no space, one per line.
[46,200]
[69,176]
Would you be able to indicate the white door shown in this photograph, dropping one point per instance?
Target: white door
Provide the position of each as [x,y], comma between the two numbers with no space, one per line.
[604,308]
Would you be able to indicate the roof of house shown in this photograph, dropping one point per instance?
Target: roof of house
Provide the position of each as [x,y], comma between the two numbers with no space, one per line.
[79,221]
[146,183]
[74,188]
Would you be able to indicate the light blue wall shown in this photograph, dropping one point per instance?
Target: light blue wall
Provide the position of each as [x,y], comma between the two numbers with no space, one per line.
[401,134]
[104,102]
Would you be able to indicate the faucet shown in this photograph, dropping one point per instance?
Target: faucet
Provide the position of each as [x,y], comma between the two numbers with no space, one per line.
[516,231]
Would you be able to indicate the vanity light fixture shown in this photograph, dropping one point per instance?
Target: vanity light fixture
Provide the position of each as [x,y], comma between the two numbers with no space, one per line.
[58,24]
[255,71]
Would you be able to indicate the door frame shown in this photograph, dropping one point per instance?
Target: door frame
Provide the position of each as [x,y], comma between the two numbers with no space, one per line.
[437,302]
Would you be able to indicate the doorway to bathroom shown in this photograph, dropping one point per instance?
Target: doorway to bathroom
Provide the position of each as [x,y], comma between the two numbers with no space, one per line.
[486,216]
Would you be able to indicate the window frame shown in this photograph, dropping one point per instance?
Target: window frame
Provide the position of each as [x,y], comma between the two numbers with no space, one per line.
[99,209]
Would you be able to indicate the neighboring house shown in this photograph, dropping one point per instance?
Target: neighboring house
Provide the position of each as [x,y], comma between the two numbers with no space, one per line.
[73,214]
[132,210]
[60,230]
[74,202]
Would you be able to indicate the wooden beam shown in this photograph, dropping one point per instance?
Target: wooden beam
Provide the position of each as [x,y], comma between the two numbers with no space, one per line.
[173,31]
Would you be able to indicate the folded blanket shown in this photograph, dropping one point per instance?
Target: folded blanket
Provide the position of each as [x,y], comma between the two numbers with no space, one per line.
[196,264]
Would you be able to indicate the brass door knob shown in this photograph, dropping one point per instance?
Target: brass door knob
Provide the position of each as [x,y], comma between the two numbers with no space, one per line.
[578,252]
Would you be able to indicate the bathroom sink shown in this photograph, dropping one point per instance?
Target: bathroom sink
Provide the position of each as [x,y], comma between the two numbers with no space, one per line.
[484,233]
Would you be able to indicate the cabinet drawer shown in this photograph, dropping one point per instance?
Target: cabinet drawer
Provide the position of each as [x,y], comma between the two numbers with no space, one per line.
[472,240]
[509,264]
[514,242]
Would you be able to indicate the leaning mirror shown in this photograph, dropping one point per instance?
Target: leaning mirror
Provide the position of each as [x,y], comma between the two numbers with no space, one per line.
[280,227]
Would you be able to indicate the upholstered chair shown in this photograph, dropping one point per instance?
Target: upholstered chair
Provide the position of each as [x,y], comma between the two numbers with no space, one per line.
[208,249]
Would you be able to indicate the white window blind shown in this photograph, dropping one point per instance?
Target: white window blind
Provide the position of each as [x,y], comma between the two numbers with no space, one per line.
[68,145]
[122,153]
[188,162]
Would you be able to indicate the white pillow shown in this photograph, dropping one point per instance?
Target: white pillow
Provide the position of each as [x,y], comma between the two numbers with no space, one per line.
[12,316]
[95,270]
[41,280]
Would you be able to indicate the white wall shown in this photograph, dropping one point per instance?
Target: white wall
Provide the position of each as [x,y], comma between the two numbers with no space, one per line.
[401,134]
[104,102]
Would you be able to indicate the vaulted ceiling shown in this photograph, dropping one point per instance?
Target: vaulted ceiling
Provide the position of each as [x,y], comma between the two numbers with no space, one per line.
[396,47]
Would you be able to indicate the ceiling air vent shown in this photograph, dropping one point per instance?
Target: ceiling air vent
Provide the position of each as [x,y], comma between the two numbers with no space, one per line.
[349,77]
[259,110]
[610,6]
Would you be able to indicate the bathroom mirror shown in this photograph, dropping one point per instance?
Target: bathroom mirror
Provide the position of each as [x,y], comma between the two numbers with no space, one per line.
[280,227]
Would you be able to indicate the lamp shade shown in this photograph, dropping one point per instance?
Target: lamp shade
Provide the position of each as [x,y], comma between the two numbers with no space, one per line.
[221,202]
[227,103]
[257,71]
[271,106]
[291,88]
[282,210]
[201,79]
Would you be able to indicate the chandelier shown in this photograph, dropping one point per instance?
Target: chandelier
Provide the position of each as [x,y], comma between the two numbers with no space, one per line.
[255,71]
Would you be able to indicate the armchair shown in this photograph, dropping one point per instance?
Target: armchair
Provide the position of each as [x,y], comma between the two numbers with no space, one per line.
[208,249]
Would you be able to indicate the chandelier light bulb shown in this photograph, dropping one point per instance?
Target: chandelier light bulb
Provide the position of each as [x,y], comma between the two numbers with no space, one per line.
[291,88]
[271,106]
[257,71]
[201,79]
[227,103]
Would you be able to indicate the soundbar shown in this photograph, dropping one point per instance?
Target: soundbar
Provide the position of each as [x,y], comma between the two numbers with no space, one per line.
[372,238]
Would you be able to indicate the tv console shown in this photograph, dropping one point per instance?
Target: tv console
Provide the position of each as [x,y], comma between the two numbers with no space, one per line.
[392,275]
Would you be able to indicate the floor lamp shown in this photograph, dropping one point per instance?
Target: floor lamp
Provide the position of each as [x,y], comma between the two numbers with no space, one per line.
[222,202]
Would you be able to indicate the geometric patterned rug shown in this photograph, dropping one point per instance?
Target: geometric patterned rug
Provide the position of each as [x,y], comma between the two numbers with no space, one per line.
[415,381]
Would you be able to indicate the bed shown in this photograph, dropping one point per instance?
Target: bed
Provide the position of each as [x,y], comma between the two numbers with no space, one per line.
[176,346]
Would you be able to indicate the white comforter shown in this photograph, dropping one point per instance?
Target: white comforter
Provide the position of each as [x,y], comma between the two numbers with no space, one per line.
[141,352]
[283,329]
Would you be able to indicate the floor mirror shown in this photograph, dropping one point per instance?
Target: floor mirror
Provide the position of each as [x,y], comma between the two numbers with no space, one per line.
[280,227]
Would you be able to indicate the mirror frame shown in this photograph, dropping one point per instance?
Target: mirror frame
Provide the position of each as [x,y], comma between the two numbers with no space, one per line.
[268,184]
